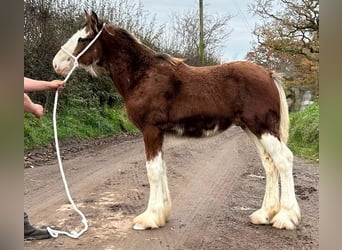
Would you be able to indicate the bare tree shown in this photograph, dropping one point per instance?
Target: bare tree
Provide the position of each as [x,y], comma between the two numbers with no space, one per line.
[184,38]
[130,15]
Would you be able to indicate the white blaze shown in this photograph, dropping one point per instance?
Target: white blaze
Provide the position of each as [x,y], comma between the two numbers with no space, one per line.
[62,62]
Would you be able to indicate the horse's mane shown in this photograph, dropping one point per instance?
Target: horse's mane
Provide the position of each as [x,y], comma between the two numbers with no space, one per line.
[111,29]
[170,59]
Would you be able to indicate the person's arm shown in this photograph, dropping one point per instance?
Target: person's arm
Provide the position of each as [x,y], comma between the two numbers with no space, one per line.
[31,85]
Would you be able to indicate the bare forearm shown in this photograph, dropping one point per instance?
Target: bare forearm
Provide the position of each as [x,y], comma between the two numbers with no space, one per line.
[31,85]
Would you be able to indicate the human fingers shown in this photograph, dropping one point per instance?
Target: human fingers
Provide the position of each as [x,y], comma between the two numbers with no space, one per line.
[57,84]
[61,85]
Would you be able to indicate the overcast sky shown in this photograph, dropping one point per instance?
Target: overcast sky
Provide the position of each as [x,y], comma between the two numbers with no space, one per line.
[242,22]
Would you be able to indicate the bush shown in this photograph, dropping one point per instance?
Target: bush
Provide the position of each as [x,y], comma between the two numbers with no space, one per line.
[304,132]
[76,120]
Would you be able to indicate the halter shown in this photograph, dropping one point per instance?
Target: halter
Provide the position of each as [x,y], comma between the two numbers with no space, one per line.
[81,53]
[73,234]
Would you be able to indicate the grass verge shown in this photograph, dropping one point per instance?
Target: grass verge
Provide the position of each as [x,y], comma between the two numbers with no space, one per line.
[304,133]
[76,121]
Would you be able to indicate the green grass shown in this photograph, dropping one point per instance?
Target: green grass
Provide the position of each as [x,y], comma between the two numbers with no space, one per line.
[76,121]
[304,133]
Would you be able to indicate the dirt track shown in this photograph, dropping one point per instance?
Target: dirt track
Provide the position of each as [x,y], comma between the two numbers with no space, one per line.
[215,184]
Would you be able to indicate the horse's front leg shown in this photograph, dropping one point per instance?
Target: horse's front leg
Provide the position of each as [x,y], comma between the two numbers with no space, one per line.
[159,204]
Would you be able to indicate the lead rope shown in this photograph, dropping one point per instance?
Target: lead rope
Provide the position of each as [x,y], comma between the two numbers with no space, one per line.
[53,232]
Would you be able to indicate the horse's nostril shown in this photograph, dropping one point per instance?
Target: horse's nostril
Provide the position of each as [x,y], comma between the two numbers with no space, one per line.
[55,67]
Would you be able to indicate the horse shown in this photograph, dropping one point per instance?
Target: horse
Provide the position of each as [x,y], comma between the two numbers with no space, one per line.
[163,95]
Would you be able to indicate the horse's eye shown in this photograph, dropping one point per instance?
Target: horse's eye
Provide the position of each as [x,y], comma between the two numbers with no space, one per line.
[81,39]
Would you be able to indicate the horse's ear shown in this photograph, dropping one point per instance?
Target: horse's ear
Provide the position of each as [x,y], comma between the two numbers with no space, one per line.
[94,22]
[86,15]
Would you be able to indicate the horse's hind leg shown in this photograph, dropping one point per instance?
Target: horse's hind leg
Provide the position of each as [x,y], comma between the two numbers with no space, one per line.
[271,204]
[159,204]
[289,213]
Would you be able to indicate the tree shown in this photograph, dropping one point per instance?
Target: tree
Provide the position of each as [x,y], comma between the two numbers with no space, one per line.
[130,15]
[184,38]
[288,40]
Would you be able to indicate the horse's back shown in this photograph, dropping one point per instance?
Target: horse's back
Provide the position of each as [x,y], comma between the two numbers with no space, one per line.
[226,76]
[214,97]
[229,85]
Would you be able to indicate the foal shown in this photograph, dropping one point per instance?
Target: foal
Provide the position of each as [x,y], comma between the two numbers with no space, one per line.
[164,95]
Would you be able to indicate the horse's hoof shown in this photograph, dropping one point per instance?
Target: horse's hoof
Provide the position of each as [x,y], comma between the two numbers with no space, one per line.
[260,217]
[286,219]
[147,220]
[140,227]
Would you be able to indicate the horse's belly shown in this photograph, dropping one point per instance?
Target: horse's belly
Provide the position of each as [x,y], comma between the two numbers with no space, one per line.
[199,127]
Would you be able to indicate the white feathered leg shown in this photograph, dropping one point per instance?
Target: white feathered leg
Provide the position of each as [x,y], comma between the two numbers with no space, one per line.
[271,204]
[159,204]
[289,214]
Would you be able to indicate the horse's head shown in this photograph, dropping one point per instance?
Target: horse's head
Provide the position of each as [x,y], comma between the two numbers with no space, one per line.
[63,62]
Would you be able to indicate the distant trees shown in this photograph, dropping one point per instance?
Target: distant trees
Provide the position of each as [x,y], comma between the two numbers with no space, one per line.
[130,15]
[184,38]
[288,40]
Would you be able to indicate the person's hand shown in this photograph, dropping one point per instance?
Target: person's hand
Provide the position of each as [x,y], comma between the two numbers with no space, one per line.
[37,110]
[32,107]
[56,85]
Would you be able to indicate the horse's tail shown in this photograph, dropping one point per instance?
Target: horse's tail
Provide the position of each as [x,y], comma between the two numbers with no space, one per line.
[284,111]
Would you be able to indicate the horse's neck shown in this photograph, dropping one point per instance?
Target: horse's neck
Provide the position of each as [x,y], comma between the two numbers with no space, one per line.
[120,75]
[125,68]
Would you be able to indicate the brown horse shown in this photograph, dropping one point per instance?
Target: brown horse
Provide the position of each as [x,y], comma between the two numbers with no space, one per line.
[164,95]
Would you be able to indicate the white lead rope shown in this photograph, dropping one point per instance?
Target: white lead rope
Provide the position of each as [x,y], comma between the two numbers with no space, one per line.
[53,232]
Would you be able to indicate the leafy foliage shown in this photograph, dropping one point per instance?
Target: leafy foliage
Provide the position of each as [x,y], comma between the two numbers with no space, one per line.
[304,132]
[288,40]
[76,121]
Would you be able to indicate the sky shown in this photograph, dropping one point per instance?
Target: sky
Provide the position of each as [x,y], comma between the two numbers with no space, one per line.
[242,22]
